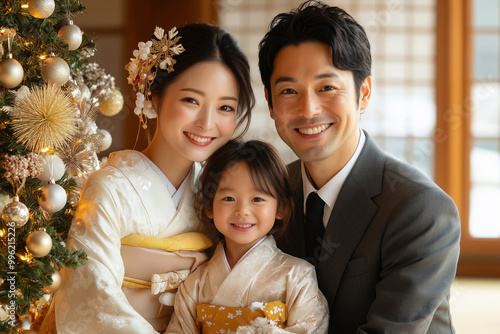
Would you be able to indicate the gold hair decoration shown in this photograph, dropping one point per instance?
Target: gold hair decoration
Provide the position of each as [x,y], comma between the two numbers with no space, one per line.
[142,69]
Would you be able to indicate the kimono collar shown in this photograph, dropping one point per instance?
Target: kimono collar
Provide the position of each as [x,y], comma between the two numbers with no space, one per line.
[244,255]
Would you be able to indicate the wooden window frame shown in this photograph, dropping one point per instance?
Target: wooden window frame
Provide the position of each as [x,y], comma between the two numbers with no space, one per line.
[453,138]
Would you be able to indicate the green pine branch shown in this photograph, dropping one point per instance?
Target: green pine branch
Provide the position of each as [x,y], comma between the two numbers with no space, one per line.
[34,39]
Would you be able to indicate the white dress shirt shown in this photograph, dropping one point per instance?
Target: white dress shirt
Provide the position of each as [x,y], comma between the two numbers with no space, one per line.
[329,192]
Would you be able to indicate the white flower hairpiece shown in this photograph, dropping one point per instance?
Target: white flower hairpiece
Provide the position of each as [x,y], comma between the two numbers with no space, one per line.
[142,69]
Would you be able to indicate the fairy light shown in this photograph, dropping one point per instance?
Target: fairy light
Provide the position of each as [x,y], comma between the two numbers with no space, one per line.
[24,6]
[2,233]
[42,57]
[26,258]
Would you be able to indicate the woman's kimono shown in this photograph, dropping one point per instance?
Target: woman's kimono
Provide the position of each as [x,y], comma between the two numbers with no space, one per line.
[129,196]
[264,274]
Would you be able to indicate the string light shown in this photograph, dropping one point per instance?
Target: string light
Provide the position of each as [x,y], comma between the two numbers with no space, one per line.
[26,258]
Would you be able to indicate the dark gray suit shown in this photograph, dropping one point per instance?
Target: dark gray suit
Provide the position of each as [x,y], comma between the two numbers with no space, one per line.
[390,249]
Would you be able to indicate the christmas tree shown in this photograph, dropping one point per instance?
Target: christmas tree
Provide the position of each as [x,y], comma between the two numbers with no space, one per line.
[50,95]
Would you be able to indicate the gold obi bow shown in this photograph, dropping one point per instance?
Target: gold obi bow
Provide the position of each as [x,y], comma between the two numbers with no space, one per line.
[191,241]
[221,319]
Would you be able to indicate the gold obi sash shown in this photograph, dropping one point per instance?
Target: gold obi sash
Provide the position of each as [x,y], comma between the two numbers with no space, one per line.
[221,319]
[154,265]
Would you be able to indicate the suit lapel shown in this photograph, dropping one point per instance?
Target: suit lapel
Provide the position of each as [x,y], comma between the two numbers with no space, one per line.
[351,216]
[293,240]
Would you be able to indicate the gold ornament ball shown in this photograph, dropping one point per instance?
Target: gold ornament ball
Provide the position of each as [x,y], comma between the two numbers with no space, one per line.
[55,71]
[72,35]
[29,331]
[112,103]
[39,243]
[56,283]
[11,73]
[15,212]
[41,9]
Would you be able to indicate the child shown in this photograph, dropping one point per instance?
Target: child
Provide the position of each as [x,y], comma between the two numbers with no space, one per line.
[245,192]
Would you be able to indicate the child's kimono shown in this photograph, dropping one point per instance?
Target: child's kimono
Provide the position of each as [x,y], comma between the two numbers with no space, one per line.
[128,197]
[263,275]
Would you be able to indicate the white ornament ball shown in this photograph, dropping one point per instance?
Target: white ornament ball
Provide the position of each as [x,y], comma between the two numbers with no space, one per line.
[72,35]
[53,197]
[15,212]
[41,9]
[85,91]
[112,103]
[106,139]
[56,283]
[39,243]
[55,71]
[11,73]
[54,168]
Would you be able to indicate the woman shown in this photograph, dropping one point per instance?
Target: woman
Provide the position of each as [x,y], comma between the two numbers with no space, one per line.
[198,85]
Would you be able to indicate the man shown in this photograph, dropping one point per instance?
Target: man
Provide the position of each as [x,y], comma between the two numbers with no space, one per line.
[387,242]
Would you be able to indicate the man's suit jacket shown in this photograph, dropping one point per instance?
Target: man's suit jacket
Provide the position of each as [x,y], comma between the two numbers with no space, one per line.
[390,248]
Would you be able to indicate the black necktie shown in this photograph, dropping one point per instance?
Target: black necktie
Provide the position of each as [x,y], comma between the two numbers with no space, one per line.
[314,229]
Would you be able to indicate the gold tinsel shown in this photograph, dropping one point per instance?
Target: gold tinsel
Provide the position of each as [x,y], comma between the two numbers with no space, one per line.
[44,117]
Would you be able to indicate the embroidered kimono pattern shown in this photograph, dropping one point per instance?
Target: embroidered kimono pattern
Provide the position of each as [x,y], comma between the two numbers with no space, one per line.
[127,197]
[221,319]
[264,274]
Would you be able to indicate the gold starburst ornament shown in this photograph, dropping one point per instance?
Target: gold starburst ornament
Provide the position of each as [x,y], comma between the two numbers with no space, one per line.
[43,117]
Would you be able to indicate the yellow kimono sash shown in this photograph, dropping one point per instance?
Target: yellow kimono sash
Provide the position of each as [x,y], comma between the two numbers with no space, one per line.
[154,265]
[191,241]
[221,319]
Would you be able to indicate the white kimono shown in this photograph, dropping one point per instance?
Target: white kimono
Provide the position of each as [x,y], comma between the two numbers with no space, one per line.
[129,196]
[263,274]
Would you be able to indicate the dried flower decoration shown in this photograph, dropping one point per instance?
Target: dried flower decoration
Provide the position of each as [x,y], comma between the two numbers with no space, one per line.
[19,167]
[149,57]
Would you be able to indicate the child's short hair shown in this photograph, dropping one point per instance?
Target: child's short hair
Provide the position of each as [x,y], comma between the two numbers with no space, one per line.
[268,172]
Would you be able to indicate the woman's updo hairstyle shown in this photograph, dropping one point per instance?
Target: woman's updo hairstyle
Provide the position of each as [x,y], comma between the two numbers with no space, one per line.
[206,42]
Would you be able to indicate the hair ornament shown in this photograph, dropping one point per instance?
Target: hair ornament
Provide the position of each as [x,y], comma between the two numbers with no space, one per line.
[149,57]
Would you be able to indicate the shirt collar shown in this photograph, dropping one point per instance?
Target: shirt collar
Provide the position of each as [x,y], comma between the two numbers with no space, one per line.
[330,191]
